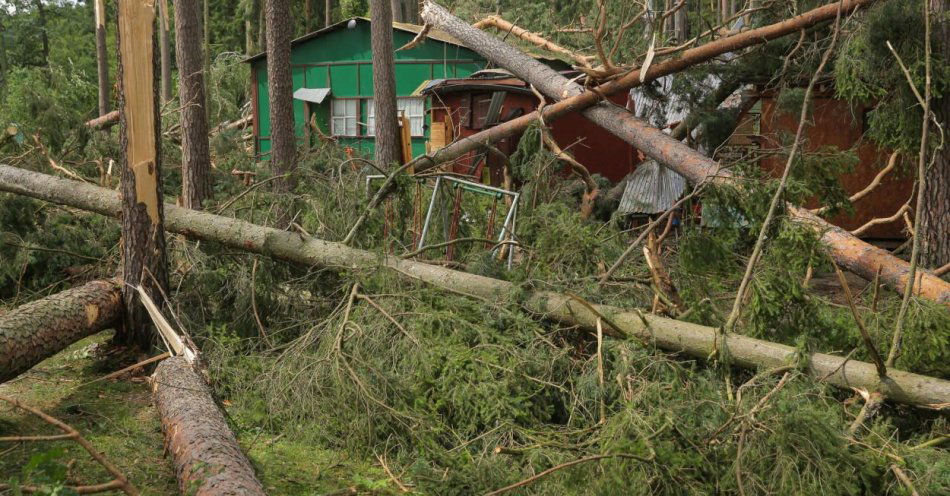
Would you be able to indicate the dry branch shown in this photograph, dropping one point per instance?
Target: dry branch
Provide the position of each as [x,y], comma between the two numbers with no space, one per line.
[632,79]
[104,121]
[119,480]
[848,251]
[692,339]
[535,39]
[40,329]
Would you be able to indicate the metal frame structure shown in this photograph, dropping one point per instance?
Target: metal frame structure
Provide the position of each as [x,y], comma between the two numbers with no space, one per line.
[507,227]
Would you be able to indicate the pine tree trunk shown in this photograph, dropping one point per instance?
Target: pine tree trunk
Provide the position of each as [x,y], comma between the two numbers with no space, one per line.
[195,154]
[307,16]
[692,339]
[395,7]
[143,236]
[44,36]
[680,23]
[102,58]
[38,330]
[207,457]
[934,226]
[165,49]
[384,84]
[328,13]
[280,92]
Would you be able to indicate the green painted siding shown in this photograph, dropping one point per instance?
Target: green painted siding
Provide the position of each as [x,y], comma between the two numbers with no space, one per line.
[342,60]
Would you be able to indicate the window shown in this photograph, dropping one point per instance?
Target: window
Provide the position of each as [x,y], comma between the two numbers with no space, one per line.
[413,108]
[344,117]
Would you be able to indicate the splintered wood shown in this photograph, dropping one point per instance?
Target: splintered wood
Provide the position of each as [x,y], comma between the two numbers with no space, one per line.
[136,25]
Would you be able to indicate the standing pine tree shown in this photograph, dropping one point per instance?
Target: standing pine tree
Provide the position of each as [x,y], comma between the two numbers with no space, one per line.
[143,235]
[195,155]
[280,91]
[384,83]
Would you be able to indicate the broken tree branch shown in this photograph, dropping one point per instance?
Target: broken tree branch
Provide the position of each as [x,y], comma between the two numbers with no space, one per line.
[891,163]
[494,21]
[848,251]
[119,480]
[691,339]
[104,121]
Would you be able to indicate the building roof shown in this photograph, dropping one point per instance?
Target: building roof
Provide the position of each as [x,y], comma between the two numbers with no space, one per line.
[434,34]
[486,79]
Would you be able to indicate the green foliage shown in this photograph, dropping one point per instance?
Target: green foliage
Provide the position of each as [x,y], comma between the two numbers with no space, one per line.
[354,8]
[867,72]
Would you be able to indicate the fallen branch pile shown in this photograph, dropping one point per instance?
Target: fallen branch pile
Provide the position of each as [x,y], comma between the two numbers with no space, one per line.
[848,251]
[692,339]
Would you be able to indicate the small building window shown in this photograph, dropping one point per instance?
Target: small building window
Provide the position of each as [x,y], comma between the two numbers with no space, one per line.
[345,116]
[413,108]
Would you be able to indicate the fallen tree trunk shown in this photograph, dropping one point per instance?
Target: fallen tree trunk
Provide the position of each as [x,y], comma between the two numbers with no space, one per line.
[848,251]
[208,460]
[633,79]
[695,340]
[104,121]
[38,330]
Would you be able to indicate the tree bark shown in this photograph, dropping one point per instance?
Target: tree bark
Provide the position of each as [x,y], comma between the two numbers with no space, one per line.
[328,13]
[280,92]
[44,36]
[165,50]
[384,84]
[38,330]
[396,9]
[207,457]
[848,251]
[102,58]
[934,225]
[143,237]
[195,153]
[307,16]
[104,121]
[681,23]
[695,340]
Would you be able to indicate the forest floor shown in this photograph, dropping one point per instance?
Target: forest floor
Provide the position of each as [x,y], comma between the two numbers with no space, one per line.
[119,418]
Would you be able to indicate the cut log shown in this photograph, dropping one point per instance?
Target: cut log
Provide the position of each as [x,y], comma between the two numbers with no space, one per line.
[692,339]
[848,251]
[208,460]
[104,121]
[38,330]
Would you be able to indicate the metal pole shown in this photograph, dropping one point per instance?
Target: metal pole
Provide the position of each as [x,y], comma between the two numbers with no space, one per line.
[425,225]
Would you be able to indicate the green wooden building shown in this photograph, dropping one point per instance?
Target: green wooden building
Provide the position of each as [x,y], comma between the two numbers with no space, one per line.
[333,82]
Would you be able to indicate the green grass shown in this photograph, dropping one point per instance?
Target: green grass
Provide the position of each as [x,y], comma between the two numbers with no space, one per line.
[120,420]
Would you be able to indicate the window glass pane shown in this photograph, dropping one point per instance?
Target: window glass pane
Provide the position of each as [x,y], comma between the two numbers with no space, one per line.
[370,118]
[343,118]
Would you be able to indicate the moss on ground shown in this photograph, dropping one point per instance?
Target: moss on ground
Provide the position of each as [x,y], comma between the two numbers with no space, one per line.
[120,420]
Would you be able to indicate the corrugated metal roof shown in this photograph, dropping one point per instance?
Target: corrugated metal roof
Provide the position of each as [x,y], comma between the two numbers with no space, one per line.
[651,189]
[315,95]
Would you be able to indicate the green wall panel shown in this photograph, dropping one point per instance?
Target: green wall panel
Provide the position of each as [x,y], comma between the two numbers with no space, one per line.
[297,74]
[344,81]
[330,60]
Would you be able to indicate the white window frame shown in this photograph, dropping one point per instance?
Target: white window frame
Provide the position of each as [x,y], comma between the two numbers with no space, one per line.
[416,116]
[344,117]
